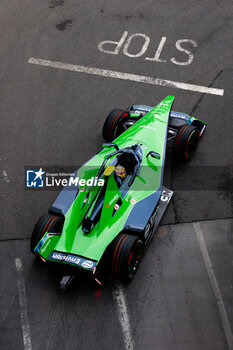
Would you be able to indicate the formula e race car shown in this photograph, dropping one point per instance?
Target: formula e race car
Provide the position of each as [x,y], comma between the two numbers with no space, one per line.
[106,226]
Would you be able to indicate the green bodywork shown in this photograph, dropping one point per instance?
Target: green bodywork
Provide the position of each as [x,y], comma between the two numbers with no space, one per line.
[150,132]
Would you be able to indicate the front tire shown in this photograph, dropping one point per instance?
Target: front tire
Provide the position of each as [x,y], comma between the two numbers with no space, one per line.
[46,223]
[112,124]
[186,142]
[126,255]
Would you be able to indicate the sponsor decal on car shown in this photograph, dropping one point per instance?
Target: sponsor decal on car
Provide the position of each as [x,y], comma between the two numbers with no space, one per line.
[113,199]
[88,264]
[147,230]
[179,115]
[143,108]
[166,195]
[152,218]
[116,206]
[148,127]
[72,259]
[164,198]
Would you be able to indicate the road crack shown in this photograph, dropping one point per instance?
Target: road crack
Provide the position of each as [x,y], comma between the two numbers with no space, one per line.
[209,86]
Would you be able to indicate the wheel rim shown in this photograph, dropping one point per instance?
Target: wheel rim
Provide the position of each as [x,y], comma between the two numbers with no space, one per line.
[134,259]
[192,143]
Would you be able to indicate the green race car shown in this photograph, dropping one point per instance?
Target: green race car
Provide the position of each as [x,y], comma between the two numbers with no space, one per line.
[106,226]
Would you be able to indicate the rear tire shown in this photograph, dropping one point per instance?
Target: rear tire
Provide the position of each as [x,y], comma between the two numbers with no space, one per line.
[126,255]
[186,142]
[46,223]
[112,123]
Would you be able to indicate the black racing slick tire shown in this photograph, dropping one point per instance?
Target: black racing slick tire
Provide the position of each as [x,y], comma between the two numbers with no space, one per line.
[186,142]
[112,123]
[46,223]
[126,255]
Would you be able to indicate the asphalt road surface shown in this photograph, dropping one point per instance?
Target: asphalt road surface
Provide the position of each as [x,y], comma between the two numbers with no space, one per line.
[182,296]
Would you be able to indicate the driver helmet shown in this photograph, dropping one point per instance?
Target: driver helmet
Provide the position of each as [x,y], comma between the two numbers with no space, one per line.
[120,171]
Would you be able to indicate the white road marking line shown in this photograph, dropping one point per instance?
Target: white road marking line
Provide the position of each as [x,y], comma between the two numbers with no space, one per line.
[5,176]
[214,284]
[23,306]
[126,76]
[118,295]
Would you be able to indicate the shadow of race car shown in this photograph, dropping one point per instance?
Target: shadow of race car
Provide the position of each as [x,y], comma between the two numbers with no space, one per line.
[106,227]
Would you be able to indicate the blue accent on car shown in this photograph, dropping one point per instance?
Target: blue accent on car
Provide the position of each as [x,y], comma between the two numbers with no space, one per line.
[41,243]
[64,200]
[179,115]
[190,121]
[141,108]
[138,152]
[141,212]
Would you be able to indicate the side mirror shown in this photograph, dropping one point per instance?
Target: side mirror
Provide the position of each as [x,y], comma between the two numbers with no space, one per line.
[108,145]
[153,155]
